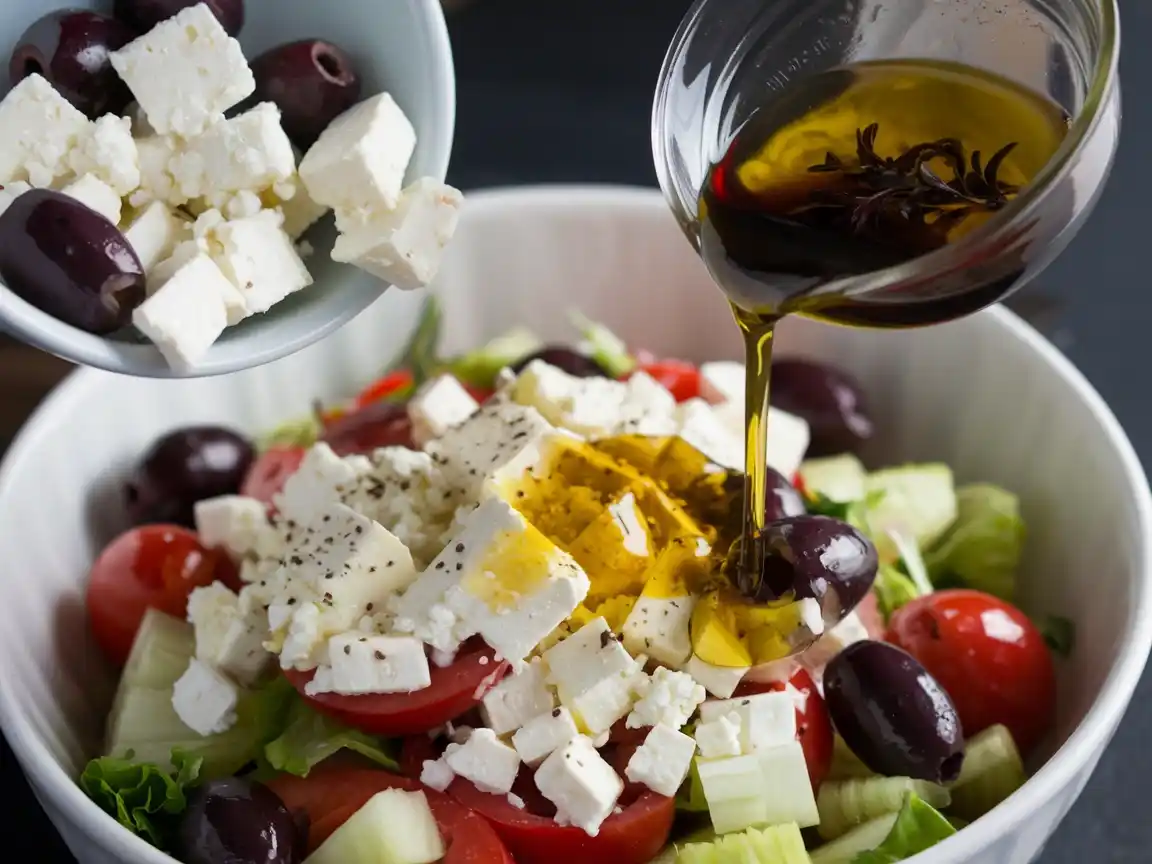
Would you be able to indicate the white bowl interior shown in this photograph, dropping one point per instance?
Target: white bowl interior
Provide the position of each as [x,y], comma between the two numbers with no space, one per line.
[987,395]
[400,47]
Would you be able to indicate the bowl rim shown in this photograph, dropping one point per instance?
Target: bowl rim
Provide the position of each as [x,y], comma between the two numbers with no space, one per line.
[63,794]
[29,324]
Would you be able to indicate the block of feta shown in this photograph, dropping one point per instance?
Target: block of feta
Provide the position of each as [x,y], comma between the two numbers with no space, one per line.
[700,426]
[10,191]
[766,719]
[359,162]
[154,234]
[41,128]
[648,408]
[108,152]
[719,737]
[359,664]
[155,155]
[185,72]
[485,760]
[402,246]
[722,381]
[540,736]
[659,627]
[439,405]
[249,152]
[237,524]
[616,548]
[498,578]
[667,697]
[720,681]
[435,774]
[205,700]
[321,480]
[581,784]
[518,699]
[588,656]
[299,210]
[96,195]
[259,259]
[662,762]
[788,435]
[230,632]
[188,312]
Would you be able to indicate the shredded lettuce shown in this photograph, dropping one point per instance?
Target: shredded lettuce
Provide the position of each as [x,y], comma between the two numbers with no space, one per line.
[1059,633]
[982,548]
[919,826]
[604,346]
[309,738]
[480,368]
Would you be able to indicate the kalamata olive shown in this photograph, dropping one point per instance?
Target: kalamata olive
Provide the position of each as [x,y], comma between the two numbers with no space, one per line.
[184,467]
[70,48]
[143,15]
[69,261]
[723,507]
[565,359]
[892,714]
[831,402]
[379,424]
[818,557]
[312,82]
[237,821]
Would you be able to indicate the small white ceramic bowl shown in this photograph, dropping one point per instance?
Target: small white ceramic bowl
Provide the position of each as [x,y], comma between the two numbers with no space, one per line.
[399,46]
[988,395]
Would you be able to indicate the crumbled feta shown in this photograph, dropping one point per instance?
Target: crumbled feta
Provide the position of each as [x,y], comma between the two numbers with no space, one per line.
[439,405]
[96,195]
[487,761]
[259,259]
[359,664]
[517,699]
[581,784]
[436,774]
[237,524]
[249,152]
[720,681]
[662,762]
[322,479]
[41,128]
[155,155]
[205,700]
[185,72]
[229,631]
[719,737]
[659,627]
[154,234]
[766,719]
[540,736]
[667,697]
[108,152]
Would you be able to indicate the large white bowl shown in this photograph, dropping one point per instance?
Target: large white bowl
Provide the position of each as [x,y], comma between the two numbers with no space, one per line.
[988,395]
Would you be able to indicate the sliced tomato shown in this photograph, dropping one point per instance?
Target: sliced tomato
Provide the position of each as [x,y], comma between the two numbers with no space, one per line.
[269,472]
[480,394]
[680,377]
[454,690]
[154,566]
[987,655]
[389,385]
[331,795]
[380,424]
[813,725]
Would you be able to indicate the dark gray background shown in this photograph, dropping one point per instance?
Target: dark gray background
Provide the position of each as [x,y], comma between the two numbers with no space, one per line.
[553,91]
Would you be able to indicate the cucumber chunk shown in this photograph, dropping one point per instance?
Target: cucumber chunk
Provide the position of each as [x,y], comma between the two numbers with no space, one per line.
[394,827]
[838,478]
[845,763]
[160,652]
[917,501]
[844,804]
[780,844]
[862,838]
[991,772]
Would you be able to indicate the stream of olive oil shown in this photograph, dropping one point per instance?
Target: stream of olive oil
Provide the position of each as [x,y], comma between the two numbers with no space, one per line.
[848,172]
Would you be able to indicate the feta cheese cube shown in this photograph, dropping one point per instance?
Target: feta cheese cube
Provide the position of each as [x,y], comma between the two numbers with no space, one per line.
[360,160]
[108,152]
[230,632]
[187,313]
[41,128]
[403,246]
[435,774]
[154,233]
[700,426]
[588,656]
[662,762]
[300,212]
[439,405]
[606,702]
[249,152]
[616,547]
[659,627]
[541,735]
[787,788]
[788,435]
[487,761]
[359,664]
[722,381]
[9,192]
[667,697]
[720,737]
[185,72]
[260,260]
[581,784]
[518,699]
[155,155]
[720,681]
[648,408]
[237,524]
[322,480]
[96,195]
[766,719]
[205,700]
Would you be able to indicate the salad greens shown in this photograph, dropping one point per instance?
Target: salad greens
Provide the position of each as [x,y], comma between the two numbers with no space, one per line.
[480,368]
[140,795]
[918,827]
[983,546]
[603,346]
[309,738]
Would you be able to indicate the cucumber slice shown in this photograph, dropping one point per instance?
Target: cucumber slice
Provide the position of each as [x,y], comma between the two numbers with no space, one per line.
[394,827]
[845,763]
[780,844]
[862,838]
[838,478]
[917,501]
[160,652]
[844,804]
[991,772]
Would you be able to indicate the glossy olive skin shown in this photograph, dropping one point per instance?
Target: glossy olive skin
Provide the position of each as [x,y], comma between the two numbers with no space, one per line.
[70,262]
[380,424]
[818,557]
[565,359]
[70,48]
[143,15]
[312,82]
[892,714]
[236,821]
[183,467]
[831,401]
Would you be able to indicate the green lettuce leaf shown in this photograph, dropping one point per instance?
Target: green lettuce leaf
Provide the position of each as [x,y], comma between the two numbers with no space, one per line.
[480,368]
[604,346]
[310,738]
[1059,633]
[919,826]
[893,589]
[690,798]
[982,548]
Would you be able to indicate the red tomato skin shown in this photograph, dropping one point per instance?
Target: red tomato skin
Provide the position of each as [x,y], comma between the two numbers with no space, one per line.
[680,377]
[383,387]
[155,566]
[454,690]
[1006,677]
[813,725]
[271,469]
[331,795]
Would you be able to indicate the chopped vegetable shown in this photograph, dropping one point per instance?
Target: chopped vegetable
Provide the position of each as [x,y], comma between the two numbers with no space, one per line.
[309,738]
[141,795]
[480,368]
[302,432]
[918,827]
[893,589]
[983,546]
[604,346]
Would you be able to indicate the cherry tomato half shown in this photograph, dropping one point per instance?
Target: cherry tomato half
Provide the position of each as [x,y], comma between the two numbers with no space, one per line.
[389,385]
[454,690]
[154,566]
[380,424]
[681,378]
[813,726]
[271,469]
[987,655]
[331,795]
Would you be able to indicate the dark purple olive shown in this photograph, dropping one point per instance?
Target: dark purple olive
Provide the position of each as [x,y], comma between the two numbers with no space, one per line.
[143,15]
[70,48]
[818,557]
[892,714]
[565,359]
[312,83]
[831,402]
[237,821]
[781,499]
[380,424]
[69,261]
[184,467]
